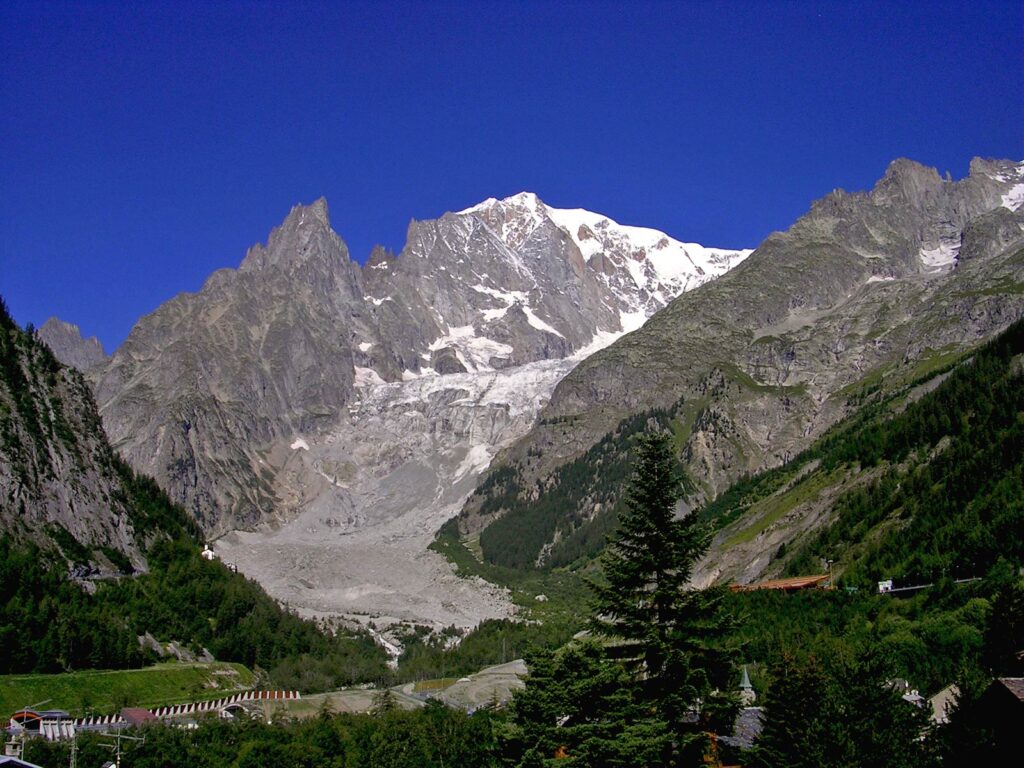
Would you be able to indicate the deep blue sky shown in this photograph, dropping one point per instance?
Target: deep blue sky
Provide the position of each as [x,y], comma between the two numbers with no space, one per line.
[145,145]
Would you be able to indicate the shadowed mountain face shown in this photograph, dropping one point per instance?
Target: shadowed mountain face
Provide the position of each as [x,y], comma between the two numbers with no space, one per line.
[61,485]
[209,378]
[864,290]
[213,391]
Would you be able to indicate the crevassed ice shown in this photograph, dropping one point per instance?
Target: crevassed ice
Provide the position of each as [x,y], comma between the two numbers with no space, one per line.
[474,352]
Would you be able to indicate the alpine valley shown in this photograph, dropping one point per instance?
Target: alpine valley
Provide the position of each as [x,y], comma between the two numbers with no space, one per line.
[322,421]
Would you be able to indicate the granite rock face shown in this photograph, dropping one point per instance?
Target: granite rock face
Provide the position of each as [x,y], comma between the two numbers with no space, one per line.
[865,288]
[66,342]
[208,387]
[207,380]
[60,482]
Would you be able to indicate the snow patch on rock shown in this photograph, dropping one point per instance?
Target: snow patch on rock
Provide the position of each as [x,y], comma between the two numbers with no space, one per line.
[474,352]
[644,268]
[539,324]
[940,258]
[366,377]
[1014,199]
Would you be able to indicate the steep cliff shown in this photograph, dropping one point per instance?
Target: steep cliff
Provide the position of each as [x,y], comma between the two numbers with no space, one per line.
[60,482]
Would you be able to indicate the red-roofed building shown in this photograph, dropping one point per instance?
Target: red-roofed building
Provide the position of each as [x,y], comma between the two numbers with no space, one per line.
[791,584]
[136,716]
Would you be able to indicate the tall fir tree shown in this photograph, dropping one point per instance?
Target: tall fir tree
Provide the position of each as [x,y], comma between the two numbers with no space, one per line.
[672,637]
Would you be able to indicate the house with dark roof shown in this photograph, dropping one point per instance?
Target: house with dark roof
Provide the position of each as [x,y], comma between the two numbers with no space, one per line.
[1001,706]
[7,761]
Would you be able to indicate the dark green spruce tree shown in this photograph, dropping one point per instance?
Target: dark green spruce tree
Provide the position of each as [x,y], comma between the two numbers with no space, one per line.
[579,708]
[801,714]
[672,638]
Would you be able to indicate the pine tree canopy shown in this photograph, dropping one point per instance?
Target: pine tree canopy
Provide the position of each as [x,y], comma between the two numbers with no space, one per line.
[672,636]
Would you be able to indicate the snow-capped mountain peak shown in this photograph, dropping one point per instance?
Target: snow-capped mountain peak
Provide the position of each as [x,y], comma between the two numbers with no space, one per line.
[644,268]
[658,264]
[522,200]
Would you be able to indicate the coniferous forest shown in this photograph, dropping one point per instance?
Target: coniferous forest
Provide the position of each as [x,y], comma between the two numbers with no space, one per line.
[52,623]
[656,673]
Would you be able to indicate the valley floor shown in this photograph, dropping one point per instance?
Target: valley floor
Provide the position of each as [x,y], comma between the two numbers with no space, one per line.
[382,574]
[367,498]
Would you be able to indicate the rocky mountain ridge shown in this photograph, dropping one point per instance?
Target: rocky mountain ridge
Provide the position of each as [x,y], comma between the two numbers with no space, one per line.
[66,342]
[352,409]
[60,483]
[866,289]
[206,387]
[938,454]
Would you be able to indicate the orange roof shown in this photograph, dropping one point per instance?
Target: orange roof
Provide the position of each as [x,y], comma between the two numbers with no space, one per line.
[794,582]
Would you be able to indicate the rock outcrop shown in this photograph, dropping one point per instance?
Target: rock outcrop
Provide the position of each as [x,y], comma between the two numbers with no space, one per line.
[60,483]
[66,342]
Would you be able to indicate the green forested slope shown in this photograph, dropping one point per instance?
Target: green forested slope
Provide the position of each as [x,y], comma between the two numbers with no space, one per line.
[79,601]
[924,485]
[576,509]
[945,501]
[49,623]
[958,438]
[946,498]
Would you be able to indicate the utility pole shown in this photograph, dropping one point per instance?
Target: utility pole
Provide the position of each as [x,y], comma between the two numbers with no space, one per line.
[116,746]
